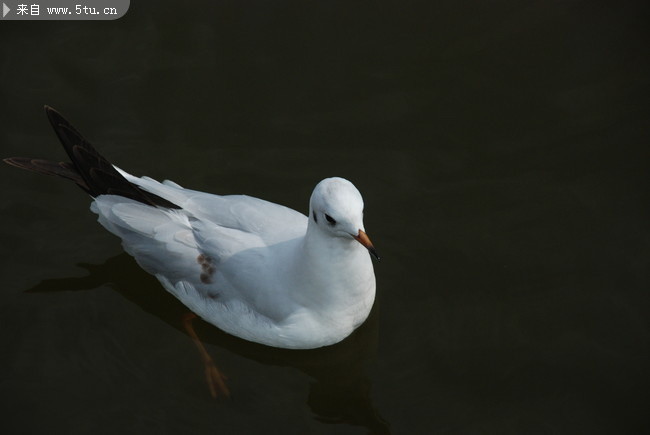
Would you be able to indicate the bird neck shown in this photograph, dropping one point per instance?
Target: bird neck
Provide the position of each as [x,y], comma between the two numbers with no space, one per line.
[335,272]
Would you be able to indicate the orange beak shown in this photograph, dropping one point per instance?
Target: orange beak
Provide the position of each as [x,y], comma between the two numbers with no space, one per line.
[365,241]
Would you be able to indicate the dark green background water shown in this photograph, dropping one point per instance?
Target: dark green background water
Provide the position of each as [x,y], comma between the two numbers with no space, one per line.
[502,149]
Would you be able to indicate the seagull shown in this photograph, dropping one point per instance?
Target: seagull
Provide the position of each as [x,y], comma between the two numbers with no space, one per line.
[252,268]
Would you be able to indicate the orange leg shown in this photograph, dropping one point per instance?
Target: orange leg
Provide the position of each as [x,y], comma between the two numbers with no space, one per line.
[216,380]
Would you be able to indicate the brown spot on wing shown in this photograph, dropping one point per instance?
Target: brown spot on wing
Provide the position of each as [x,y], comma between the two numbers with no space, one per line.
[207,268]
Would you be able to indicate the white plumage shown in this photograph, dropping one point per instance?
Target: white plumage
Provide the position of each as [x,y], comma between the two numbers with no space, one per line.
[255,269]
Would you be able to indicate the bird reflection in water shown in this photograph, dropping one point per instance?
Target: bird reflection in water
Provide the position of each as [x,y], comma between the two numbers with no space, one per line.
[340,393]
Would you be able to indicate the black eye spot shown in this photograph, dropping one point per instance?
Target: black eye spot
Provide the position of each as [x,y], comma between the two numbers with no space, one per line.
[330,219]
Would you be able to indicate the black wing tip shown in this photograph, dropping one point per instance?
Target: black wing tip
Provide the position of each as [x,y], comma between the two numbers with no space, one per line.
[55,118]
[18,162]
[11,161]
[89,169]
[59,122]
[49,111]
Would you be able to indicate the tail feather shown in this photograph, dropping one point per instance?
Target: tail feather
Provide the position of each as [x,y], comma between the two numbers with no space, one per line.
[89,170]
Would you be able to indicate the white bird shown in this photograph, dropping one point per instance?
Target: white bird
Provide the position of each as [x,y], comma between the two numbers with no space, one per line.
[255,269]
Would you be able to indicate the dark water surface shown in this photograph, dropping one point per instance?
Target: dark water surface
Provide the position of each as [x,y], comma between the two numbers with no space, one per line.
[502,149]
